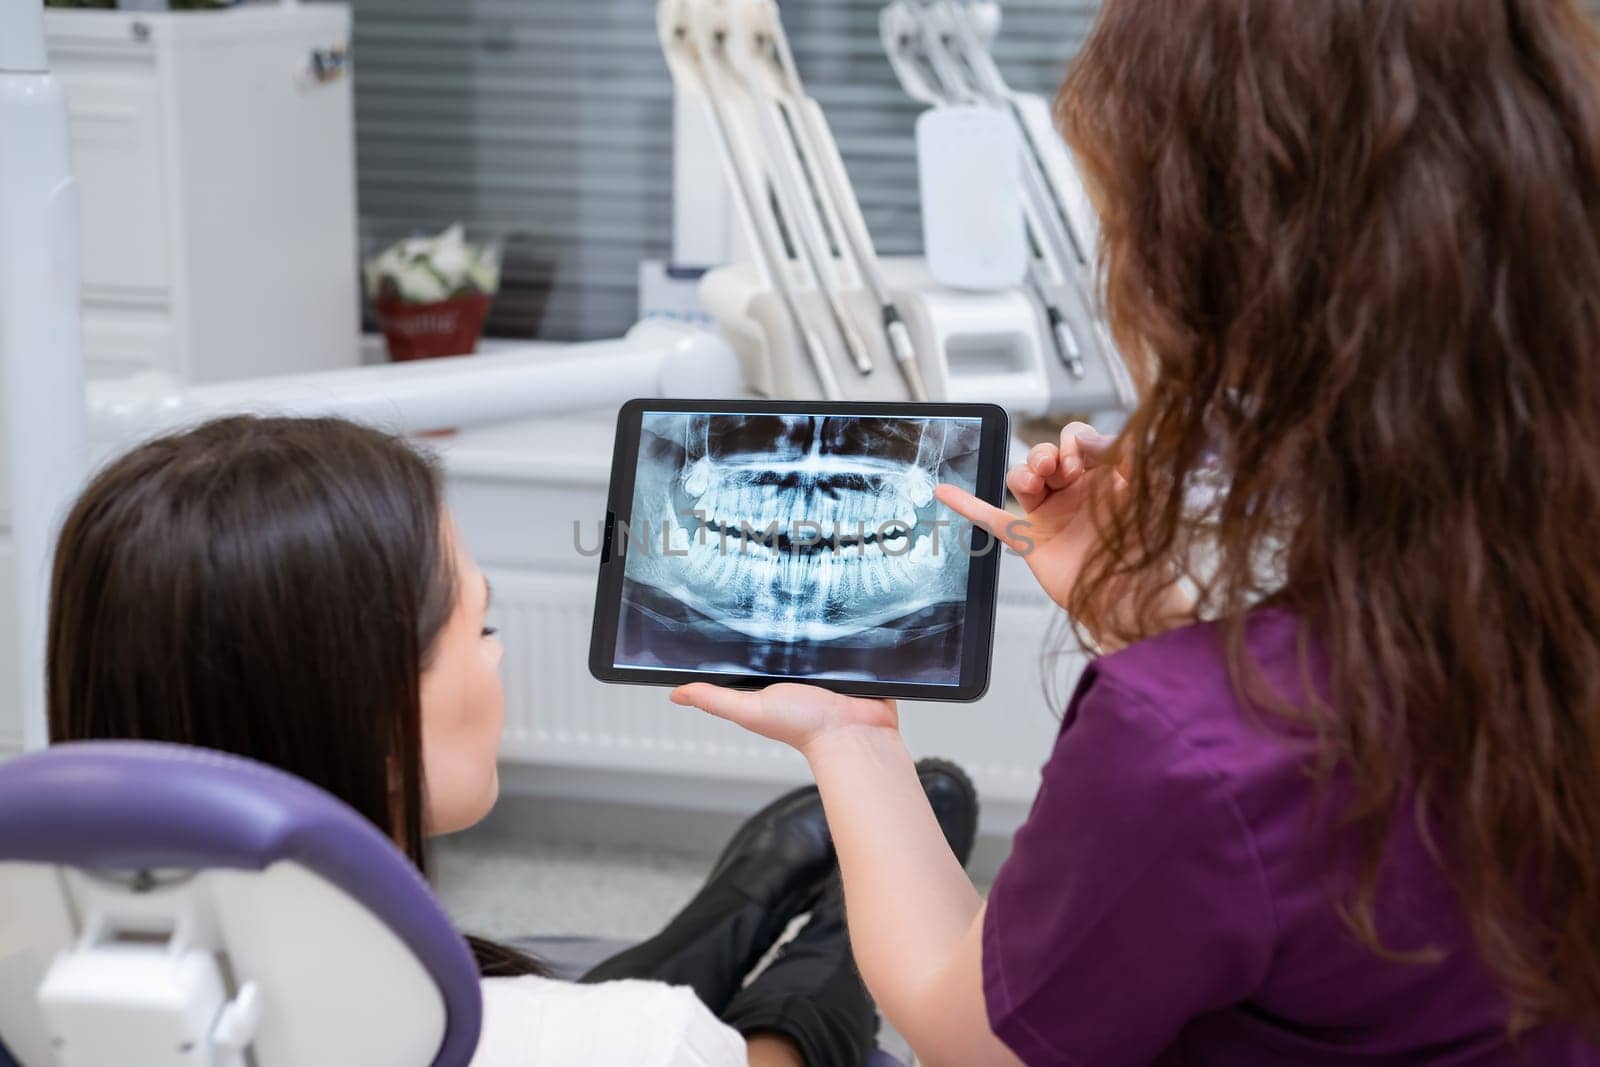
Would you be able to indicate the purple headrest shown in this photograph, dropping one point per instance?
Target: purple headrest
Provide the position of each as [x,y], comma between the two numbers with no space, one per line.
[121,805]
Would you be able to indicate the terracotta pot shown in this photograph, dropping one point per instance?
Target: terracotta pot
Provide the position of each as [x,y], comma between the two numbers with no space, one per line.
[423,331]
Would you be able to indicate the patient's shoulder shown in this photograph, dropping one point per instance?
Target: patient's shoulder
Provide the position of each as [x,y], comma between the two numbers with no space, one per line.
[530,1020]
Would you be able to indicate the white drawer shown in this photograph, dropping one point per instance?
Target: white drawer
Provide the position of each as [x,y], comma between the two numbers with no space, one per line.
[118,341]
[115,118]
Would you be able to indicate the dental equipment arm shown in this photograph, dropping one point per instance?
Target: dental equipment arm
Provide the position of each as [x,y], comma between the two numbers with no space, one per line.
[654,359]
[818,154]
[681,45]
[732,44]
[941,82]
[965,31]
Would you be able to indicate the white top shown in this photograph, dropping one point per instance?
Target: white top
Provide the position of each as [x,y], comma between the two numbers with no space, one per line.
[531,1020]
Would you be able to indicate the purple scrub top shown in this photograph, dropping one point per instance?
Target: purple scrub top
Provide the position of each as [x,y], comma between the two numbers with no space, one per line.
[1169,901]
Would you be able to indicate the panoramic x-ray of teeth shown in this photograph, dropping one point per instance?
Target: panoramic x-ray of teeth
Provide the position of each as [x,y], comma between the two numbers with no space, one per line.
[804,546]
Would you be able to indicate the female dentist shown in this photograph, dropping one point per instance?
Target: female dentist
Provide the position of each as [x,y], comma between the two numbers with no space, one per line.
[1339,802]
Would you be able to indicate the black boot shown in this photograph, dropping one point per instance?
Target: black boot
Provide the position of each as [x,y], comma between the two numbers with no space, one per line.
[768,873]
[954,800]
[812,993]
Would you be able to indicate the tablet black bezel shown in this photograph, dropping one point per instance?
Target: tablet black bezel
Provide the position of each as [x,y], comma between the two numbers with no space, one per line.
[982,577]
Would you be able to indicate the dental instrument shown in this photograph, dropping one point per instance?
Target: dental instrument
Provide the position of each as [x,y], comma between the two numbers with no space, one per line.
[965,32]
[946,86]
[768,46]
[795,196]
[968,30]
[681,45]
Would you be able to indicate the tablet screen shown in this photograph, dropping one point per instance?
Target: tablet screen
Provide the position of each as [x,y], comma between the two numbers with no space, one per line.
[798,545]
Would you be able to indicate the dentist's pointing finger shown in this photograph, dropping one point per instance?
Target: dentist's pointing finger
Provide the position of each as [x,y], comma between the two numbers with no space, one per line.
[1005,526]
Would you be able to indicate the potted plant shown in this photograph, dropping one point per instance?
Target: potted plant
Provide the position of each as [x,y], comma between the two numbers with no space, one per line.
[433,293]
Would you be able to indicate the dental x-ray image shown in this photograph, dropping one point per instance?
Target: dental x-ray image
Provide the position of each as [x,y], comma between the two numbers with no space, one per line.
[804,546]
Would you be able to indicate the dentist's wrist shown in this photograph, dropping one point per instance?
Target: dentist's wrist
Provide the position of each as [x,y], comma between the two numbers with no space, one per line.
[853,743]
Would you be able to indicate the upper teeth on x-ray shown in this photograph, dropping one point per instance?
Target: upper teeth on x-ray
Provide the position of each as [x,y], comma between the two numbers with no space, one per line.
[798,545]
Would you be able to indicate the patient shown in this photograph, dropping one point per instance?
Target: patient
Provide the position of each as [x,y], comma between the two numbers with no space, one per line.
[294,591]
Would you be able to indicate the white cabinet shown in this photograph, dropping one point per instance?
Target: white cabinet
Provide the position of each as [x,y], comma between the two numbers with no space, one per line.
[214,154]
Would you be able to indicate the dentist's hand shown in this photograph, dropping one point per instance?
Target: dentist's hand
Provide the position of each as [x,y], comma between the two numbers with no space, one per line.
[1053,487]
[797,715]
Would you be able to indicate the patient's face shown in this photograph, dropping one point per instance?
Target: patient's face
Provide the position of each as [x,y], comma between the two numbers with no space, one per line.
[463,705]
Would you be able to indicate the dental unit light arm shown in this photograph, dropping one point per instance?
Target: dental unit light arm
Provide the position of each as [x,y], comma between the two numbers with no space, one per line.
[40,358]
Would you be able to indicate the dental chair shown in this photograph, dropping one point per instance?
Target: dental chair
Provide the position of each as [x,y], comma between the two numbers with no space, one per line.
[167,906]
[164,905]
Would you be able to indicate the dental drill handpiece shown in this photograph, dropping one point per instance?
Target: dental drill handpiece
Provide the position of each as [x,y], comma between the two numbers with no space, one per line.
[690,74]
[819,159]
[741,51]
[1066,341]
[951,84]
[866,257]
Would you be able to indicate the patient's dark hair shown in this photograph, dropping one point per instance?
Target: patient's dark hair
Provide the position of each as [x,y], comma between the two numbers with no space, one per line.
[270,587]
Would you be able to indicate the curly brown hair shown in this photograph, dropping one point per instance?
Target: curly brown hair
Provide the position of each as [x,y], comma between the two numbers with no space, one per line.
[1352,249]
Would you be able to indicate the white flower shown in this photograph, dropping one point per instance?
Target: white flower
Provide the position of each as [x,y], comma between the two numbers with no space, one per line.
[427,269]
[450,257]
[418,284]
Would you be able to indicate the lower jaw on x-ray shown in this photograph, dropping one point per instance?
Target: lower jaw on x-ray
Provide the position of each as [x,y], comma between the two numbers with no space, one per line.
[805,546]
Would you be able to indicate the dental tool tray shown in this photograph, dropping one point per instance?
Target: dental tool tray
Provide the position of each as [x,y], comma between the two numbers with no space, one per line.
[752,542]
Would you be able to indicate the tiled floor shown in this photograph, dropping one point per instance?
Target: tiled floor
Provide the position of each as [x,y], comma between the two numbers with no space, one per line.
[508,890]
[507,879]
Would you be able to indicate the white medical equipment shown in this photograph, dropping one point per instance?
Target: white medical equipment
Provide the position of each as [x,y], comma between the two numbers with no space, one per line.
[811,293]
[939,50]
[969,172]
[40,359]
[214,153]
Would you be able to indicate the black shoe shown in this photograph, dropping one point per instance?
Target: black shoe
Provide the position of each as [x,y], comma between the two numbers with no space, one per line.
[812,993]
[768,873]
[954,800]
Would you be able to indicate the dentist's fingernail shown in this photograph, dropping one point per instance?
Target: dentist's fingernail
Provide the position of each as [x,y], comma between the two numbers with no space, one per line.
[1092,440]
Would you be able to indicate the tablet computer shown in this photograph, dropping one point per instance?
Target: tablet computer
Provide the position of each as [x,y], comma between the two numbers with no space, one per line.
[752,542]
